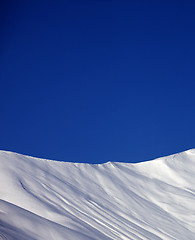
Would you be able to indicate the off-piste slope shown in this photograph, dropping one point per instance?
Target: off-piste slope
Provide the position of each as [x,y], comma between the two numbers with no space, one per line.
[45,199]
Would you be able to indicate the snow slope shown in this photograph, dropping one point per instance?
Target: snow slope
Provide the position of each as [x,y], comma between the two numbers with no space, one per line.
[44,199]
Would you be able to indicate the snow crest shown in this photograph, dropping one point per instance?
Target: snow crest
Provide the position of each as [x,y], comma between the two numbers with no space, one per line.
[44,199]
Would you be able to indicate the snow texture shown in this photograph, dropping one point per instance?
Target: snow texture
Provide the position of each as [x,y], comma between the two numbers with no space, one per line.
[44,199]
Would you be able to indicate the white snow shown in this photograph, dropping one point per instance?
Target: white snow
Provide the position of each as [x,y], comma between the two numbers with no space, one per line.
[49,200]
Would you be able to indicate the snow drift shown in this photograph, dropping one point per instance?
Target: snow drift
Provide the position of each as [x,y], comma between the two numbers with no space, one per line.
[44,199]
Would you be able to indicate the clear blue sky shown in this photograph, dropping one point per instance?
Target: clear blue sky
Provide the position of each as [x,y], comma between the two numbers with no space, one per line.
[93,81]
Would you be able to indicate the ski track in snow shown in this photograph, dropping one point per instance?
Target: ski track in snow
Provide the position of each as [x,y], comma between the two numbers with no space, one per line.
[45,199]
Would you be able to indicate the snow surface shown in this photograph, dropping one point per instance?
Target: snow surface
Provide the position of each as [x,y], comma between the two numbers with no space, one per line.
[50,200]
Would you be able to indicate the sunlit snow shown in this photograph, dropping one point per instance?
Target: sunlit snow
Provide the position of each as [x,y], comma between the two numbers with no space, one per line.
[49,200]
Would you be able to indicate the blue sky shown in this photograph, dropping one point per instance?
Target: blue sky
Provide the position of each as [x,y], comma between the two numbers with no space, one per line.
[93,81]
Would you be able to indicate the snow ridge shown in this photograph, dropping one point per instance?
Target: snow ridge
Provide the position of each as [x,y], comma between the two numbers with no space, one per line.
[44,199]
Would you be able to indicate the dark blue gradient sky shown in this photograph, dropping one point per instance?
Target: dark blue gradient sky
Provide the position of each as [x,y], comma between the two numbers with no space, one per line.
[92,81]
